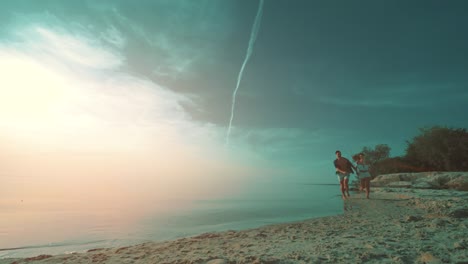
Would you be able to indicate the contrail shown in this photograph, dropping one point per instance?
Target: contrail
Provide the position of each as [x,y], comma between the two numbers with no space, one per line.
[253,37]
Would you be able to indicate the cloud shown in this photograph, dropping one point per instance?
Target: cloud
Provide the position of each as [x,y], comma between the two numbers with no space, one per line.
[69,110]
[172,57]
[114,36]
[178,35]
[82,77]
[78,50]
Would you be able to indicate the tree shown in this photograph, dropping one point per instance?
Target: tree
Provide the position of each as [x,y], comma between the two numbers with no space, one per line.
[439,149]
[394,165]
[380,152]
[435,149]
[374,156]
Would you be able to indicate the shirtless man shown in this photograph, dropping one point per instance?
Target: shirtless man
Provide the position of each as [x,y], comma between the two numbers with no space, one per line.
[343,168]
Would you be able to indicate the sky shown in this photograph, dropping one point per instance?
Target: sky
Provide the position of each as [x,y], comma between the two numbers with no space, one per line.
[93,92]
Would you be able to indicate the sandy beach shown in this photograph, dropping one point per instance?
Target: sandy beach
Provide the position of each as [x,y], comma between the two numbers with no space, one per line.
[397,225]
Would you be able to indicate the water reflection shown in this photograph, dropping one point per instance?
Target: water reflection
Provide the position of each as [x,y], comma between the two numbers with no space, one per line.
[41,224]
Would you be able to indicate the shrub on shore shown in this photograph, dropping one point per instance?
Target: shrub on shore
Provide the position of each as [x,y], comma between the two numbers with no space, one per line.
[439,149]
[435,149]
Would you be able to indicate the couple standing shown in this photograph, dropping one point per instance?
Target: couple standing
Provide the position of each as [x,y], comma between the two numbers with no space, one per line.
[344,168]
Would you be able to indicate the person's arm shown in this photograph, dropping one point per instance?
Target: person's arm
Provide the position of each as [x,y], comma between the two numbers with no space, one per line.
[354,167]
[351,166]
[341,171]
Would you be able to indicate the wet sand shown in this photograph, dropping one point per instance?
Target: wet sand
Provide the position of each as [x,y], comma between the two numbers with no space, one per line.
[394,226]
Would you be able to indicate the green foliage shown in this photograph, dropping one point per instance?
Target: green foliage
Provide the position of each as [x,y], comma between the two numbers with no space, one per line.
[394,165]
[374,156]
[380,152]
[439,149]
[435,149]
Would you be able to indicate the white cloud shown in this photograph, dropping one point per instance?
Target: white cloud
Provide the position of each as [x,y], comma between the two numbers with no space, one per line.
[56,104]
[115,37]
[65,82]
[77,49]
[179,35]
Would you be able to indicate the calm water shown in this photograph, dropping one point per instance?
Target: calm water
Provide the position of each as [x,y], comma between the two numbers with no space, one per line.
[52,227]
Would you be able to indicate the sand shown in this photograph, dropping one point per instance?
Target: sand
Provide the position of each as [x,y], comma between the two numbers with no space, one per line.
[394,226]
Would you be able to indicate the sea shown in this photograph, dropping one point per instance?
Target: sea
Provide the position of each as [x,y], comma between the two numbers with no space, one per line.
[46,227]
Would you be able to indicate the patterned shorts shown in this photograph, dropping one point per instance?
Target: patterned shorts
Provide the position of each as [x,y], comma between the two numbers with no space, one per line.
[343,176]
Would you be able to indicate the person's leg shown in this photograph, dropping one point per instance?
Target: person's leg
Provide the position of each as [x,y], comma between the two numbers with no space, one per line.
[342,188]
[346,187]
[367,187]
[362,183]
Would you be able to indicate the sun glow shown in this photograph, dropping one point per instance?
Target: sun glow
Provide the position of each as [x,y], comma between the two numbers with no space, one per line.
[30,94]
[48,99]
[75,117]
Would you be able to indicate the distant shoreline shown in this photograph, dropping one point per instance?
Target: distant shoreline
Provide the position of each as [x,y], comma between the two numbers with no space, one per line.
[334,184]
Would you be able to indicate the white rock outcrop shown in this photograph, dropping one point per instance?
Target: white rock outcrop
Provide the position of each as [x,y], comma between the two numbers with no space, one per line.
[424,180]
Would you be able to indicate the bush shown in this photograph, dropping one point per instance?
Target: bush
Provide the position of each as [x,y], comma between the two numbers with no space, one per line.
[439,149]
[394,165]
[435,149]
[374,156]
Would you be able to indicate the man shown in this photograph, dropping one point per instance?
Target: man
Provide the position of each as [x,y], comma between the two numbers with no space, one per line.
[343,168]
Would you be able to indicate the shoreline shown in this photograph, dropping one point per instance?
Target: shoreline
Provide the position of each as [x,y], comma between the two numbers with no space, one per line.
[394,226]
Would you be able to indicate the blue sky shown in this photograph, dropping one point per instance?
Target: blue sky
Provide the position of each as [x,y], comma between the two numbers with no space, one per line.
[153,80]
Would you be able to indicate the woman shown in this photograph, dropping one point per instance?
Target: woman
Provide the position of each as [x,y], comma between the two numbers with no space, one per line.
[364,175]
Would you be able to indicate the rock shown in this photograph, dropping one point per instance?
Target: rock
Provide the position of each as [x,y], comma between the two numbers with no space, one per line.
[40,257]
[433,180]
[458,245]
[427,257]
[383,180]
[410,177]
[207,235]
[271,261]
[460,183]
[460,212]
[217,261]
[438,223]
[439,180]
[422,185]
[400,184]
[413,218]
[424,180]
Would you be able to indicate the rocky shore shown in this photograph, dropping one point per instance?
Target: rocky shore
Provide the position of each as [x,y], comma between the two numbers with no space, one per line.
[397,225]
[424,180]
